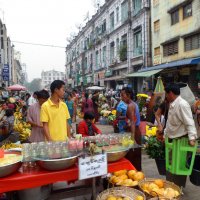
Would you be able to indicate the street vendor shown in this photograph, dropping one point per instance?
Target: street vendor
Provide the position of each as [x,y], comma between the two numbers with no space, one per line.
[33,117]
[180,121]
[134,118]
[54,114]
[7,124]
[121,116]
[87,127]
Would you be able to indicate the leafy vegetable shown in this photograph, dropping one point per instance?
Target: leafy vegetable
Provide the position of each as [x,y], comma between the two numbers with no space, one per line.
[155,148]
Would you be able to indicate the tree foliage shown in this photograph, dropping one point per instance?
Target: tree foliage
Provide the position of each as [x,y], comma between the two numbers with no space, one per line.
[34,85]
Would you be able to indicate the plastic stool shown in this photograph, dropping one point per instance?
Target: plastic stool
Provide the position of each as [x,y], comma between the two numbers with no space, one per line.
[177,154]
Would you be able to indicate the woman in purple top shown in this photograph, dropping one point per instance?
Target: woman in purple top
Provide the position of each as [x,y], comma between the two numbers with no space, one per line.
[33,117]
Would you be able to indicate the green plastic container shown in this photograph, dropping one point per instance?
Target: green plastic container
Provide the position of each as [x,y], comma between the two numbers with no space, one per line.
[177,153]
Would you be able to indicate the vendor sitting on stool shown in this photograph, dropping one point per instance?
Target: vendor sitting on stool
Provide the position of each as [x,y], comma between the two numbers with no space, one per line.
[87,127]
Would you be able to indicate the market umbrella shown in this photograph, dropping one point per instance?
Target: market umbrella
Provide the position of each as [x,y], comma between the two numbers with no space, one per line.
[17,87]
[95,88]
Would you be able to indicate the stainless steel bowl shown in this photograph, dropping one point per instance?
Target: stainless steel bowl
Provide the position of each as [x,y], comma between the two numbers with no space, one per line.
[116,155]
[9,169]
[57,164]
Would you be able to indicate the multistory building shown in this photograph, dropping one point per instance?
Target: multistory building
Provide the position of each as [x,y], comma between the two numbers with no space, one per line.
[114,43]
[48,77]
[176,41]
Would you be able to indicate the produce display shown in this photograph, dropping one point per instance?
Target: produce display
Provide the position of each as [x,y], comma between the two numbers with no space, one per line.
[9,145]
[21,126]
[112,197]
[121,193]
[9,159]
[129,178]
[161,188]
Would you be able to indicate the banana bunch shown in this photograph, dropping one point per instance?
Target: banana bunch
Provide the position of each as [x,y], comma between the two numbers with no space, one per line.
[22,127]
[18,115]
[24,135]
[9,145]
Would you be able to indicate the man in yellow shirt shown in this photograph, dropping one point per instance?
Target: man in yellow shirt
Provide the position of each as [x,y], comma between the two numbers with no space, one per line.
[54,114]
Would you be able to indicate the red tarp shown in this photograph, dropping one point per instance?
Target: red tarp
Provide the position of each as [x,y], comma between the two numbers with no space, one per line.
[24,180]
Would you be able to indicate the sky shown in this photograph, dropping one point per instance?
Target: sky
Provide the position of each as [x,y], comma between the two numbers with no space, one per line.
[43,22]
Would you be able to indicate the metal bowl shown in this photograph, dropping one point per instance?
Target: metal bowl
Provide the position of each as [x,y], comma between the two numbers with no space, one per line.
[9,169]
[57,164]
[116,155]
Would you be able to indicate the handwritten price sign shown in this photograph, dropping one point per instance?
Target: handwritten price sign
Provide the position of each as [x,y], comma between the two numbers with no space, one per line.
[92,166]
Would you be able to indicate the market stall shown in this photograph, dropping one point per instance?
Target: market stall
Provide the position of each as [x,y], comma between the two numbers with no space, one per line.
[37,177]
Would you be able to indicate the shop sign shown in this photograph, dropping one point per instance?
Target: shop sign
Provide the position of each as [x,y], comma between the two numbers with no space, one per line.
[96,79]
[69,81]
[185,71]
[157,60]
[108,73]
[5,72]
[92,166]
[102,75]
[102,83]
[89,79]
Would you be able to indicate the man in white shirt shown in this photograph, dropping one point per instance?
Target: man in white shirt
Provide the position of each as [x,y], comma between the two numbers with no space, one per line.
[33,98]
[180,121]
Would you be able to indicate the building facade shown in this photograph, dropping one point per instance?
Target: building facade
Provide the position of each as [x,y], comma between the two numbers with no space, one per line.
[10,67]
[48,77]
[176,41]
[113,44]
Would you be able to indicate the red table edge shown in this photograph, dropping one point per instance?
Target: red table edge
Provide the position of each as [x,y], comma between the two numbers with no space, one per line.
[20,181]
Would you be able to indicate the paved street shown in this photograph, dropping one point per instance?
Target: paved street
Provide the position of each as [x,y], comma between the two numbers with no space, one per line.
[191,192]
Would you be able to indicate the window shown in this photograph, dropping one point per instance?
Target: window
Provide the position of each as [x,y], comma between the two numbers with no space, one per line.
[137,5]
[137,43]
[112,21]
[175,17]
[155,2]
[117,14]
[104,56]
[112,52]
[157,26]
[170,48]
[187,10]
[157,51]
[123,48]
[192,42]
[117,44]
[85,63]
[104,26]
[97,59]
[124,11]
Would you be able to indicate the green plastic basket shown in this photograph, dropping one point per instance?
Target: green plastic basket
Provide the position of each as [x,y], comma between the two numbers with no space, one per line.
[177,153]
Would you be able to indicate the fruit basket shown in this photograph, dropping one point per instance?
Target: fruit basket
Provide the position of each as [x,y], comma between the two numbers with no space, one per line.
[160,198]
[124,193]
[126,178]
[160,188]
